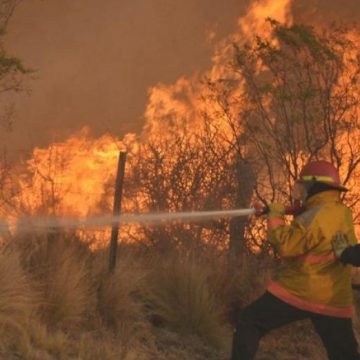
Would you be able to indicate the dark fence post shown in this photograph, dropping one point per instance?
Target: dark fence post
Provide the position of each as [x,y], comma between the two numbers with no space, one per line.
[117,210]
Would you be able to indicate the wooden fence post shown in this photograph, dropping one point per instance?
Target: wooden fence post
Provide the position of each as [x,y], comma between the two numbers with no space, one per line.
[117,210]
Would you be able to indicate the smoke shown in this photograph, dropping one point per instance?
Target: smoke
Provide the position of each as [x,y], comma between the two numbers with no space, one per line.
[96,61]
[326,12]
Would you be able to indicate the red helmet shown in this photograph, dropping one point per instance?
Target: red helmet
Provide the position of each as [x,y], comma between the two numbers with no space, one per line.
[322,171]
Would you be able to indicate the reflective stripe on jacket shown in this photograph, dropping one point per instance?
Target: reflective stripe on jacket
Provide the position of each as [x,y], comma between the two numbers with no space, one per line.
[311,277]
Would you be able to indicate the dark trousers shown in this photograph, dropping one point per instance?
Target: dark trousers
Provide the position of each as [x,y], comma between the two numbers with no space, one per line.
[269,312]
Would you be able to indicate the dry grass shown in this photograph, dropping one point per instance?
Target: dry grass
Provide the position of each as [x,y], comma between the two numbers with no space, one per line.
[297,341]
[172,345]
[58,302]
[68,291]
[179,296]
[107,346]
[17,301]
[46,343]
[61,269]
[118,301]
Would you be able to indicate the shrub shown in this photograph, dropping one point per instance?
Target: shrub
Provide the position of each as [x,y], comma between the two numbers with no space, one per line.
[179,296]
[118,299]
[61,268]
[69,294]
[17,301]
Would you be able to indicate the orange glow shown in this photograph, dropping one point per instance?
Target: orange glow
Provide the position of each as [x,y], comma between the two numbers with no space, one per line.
[76,177]
[70,177]
[253,22]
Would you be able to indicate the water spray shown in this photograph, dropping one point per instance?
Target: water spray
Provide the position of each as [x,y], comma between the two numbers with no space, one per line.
[53,224]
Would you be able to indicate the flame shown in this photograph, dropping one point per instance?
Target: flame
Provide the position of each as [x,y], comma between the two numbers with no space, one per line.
[76,177]
[70,177]
[184,102]
[253,22]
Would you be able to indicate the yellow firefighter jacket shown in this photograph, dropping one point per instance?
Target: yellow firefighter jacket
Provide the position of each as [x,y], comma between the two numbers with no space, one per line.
[311,278]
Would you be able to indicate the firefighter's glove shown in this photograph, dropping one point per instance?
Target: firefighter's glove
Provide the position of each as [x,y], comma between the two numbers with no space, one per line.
[276,215]
[260,209]
[276,211]
[339,243]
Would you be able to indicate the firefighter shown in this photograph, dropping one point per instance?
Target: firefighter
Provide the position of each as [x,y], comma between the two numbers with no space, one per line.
[312,283]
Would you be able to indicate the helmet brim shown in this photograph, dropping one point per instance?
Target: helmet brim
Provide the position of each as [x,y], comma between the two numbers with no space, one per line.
[335,187]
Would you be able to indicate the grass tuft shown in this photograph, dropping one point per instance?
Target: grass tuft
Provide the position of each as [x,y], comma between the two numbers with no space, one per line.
[180,297]
[17,301]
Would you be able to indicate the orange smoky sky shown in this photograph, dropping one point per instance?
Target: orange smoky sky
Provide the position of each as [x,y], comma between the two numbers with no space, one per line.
[95,60]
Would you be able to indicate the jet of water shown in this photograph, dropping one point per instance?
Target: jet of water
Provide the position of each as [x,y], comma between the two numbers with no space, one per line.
[52,224]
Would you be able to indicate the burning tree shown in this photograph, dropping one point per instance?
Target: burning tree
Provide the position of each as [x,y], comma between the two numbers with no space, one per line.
[296,98]
[239,135]
[300,100]
[181,173]
[289,97]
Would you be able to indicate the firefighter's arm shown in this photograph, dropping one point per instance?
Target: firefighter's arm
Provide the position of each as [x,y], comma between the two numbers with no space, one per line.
[351,255]
[289,240]
[345,246]
[346,253]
